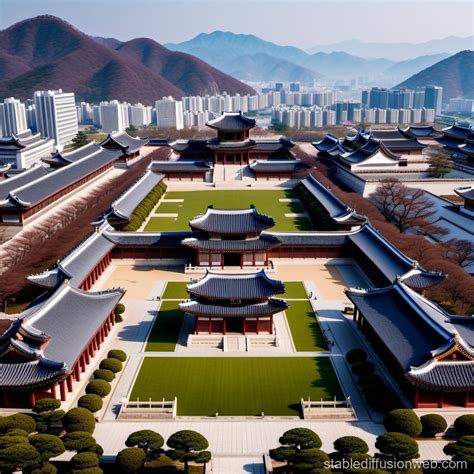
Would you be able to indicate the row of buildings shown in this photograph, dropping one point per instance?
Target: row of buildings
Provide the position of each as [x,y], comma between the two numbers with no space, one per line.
[347,112]
[51,113]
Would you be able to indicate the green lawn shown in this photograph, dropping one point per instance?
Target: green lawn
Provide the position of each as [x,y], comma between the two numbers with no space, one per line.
[196,202]
[236,386]
[294,290]
[305,330]
[175,290]
[165,331]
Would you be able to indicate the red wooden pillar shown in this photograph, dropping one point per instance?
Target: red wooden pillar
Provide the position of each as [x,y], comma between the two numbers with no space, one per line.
[86,357]
[271,324]
[32,399]
[256,326]
[69,383]
[209,327]
[253,259]
[241,260]
[53,391]
[441,400]
[83,363]
[224,327]
[244,326]
[77,372]
[62,390]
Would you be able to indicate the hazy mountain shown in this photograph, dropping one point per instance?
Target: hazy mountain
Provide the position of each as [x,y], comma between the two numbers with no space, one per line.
[398,51]
[109,42]
[48,53]
[404,69]
[455,74]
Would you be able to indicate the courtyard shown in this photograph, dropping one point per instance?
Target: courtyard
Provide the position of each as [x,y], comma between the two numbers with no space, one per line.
[179,207]
[236,386]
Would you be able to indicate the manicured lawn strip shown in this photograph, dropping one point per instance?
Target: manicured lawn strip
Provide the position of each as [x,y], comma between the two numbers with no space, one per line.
[236,386]
[169,207]
[196,202]
[305,330]
[175,290]
[165,331]
[294,290]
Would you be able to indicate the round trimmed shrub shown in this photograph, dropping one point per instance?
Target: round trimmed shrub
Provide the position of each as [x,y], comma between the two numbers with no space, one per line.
[91,402]
[18,421]
[98,387]
[84,460]
[79,419]
[403,420]
[356,355]
[113,365]
[7,441]
[350,444]
[79,441]
[104,374]
[47,468]
[130,460]
[371,379]
[363,368]
[464,425]
[120,309]
[117,354]
[397,446]
[16,432]
[308,459]
[432,425]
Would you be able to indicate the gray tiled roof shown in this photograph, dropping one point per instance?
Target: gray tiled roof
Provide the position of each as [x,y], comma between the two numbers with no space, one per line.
[127,143]
[467,147]
[231,121]
[391,134]
[276,166]
[369,149]
[26,375]
[386,257]
[236,286]
[273,145]
[306,239]
[148,239]
[180,166]
[336,209]
[263,242]
[445,376]
[267,308]
[62,158]
[214,143]
[450,142]
[403,145]
[419,131]
[407,329]
[458,131]
[124,206]
[33,192]
[19,180]
[190,146]
[327,143]
[71,317]
[356,141]
[232,221]
[466,192]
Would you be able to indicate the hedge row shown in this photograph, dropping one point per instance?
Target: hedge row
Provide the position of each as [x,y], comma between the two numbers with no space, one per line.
[376,393]
[142,211]
[319,217]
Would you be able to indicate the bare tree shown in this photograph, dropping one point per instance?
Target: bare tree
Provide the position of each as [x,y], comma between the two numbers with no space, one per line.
[460,252]
[439,160]
[405,207]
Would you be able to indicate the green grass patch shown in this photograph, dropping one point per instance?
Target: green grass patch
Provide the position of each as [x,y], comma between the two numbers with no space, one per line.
[196,202]
[236,386]
[304,327]
[165,331]
[175,290]
[294,290]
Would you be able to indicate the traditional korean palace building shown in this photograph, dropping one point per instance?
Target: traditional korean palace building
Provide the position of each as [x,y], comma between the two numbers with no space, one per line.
[455,137]
[44,350]
[242,303]
[267,158]
[26,194]
[24,149]
[467,194]
[429,352]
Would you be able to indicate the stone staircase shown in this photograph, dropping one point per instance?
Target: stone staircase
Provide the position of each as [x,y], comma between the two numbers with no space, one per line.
[235,343]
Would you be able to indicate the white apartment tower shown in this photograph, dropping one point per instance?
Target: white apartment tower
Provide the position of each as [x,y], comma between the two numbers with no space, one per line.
[56,115]
[114,116]
[12,117]
[169,113]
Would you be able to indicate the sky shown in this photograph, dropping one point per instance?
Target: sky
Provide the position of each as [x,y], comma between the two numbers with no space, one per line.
[294,22]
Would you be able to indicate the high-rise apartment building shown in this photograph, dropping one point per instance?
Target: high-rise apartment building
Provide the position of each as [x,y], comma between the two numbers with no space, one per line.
[434,98]
[56,115]
[169,113]
[114,116]
[12,117]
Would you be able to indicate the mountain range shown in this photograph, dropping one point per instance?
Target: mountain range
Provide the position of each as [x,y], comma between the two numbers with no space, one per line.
[46,52]
[398,51]
[455,74]
[241,56]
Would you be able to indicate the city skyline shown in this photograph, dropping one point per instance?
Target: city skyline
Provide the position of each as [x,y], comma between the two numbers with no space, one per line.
[315,27]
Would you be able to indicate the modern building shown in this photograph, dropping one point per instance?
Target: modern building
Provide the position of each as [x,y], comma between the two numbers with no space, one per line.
[169,113]
[114,116]
[139,115]
[56,115]
[12,117]
[462,105]
[21,151]
[240,303]
[434,98]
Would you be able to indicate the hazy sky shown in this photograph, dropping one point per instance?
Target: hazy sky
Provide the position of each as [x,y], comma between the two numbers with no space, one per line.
[295,22]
